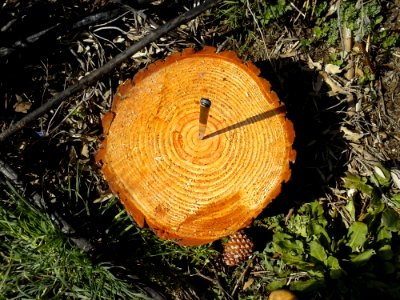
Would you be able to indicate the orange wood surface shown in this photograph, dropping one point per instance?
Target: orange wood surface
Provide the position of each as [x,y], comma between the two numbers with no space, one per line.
[190,190]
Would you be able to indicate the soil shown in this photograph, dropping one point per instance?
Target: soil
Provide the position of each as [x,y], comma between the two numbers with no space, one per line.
[350,129]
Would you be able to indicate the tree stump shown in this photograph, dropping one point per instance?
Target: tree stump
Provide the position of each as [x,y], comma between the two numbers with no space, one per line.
[186,189]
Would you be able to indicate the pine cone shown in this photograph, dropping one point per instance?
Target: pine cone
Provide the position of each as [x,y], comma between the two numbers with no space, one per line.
[238,248]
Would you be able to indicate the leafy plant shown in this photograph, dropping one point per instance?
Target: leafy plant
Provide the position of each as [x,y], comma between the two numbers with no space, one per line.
[240,13]
[360,17]
[387,38]
[351,248]
[327,30]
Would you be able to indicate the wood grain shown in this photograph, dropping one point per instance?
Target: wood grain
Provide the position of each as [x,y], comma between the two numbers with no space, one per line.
[190,190]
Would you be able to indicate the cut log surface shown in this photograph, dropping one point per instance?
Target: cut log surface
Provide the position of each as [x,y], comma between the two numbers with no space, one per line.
[190,190]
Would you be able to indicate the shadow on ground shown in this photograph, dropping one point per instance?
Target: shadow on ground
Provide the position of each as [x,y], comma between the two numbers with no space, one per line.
[321,150]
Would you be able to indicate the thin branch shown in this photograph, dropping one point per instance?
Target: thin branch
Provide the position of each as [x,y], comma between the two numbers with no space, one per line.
[4,51]
[99,17]
[58,28]
[108,67]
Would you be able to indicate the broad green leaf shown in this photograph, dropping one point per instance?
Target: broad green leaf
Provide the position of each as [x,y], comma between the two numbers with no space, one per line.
[280,236]
[362,258]
[358,183]
[297,261]
[395,199]
[384,234]
[391,220]
[318,252]
[385,252]
[307,286]
[357,235]
[287,244]
[318,213]
[316,273]
[333,263]
[319,231]
[315,211]
[335,271]
[381,177]
[376,204]
[274,285]
[351,209]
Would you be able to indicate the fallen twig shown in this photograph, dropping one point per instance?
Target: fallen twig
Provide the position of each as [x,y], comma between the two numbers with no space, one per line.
[58,28]
[110,65]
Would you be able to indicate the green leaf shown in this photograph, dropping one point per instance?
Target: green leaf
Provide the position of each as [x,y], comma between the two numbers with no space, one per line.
[314,221]
[316,273]
[296,261]
[335,271]
[298,225]
[391,220]
[292,250]
[274,285]
[381,177]
[358,183]
[357,235]
[318,252]
[319,231]
[315,211]
[395,200]
[385,252]
[351,209]
[318,212]
[384,234]
[285,243]
[307,286]
[376,204]
[362,258]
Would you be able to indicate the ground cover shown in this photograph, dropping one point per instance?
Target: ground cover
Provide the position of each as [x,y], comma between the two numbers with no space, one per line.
[331,234]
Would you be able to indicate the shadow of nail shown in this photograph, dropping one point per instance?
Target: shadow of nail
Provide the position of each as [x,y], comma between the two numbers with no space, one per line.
[248,121]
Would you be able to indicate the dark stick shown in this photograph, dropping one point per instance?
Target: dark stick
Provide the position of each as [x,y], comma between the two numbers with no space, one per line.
[4,51]
[109,66]
[57,29]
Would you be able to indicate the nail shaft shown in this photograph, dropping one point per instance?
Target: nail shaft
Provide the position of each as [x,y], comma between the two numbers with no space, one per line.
[205,105]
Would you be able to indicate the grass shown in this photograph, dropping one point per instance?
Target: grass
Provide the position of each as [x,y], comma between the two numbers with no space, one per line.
[38,262]
[311,252]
